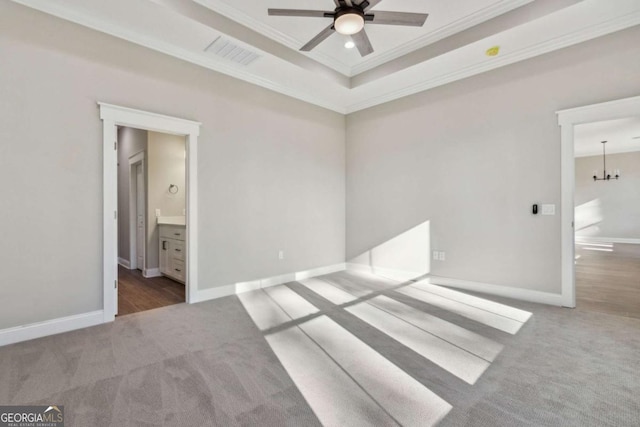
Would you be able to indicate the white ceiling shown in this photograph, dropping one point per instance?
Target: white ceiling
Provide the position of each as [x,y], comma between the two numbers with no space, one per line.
[389,42]
[408,60]
[622,136]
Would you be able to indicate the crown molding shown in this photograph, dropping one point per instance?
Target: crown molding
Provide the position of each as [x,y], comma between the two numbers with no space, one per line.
[570,39]
[63,12]
[223,8]
[455,27]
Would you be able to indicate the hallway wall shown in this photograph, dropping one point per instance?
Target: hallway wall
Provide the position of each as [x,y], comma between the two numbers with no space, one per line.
[130,142]
[166,166]
[608,209]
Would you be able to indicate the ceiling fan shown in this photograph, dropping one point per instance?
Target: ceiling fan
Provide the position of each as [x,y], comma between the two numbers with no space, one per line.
[349,18]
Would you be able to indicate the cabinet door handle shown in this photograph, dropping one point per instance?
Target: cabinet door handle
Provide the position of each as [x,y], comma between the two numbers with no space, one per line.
[176,234]
[178,250]
[164,245]
[178,270]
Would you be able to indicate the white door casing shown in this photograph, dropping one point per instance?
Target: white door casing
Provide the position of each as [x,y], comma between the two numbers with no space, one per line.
[140,215]
[134,161]
[113,116]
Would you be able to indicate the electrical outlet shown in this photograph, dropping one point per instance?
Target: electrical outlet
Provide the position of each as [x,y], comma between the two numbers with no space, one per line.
[441,256]
[281,254]
[157,213]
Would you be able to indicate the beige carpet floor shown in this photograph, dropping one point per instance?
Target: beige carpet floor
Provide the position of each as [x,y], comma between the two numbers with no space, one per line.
[393,352]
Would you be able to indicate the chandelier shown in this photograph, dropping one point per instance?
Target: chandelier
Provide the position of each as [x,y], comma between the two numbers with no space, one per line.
[606,176]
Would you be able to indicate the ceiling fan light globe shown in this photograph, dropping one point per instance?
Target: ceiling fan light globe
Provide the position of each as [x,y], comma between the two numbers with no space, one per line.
[349,24]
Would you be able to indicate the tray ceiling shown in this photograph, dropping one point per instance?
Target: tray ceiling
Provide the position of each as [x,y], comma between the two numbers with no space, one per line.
[452,45]
[445,18]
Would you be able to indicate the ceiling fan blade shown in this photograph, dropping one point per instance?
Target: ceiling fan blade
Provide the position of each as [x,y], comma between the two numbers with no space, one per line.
[368,4]
[318,39]
[399,18]
[362,43]
[298,12]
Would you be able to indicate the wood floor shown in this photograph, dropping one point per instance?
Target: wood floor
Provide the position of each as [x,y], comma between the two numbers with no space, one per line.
[136,293]
[608,278]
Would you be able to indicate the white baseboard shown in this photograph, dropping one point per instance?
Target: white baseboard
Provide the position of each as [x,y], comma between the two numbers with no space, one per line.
[50,327]
[502,291]
[125,263]
[237,288]
[385,272]
[607,240]
[151,272]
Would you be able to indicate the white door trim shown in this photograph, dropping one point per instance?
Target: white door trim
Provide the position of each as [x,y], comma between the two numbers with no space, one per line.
[113,116]
[567,119]
[133,219]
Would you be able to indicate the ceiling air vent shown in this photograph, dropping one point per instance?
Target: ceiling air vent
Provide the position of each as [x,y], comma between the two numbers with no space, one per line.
[225,48]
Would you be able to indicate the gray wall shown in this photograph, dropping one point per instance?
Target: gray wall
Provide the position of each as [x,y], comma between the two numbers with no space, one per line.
[271,169]
[608,209]
[166,165]
[130,142]
[408,253]
[473,156]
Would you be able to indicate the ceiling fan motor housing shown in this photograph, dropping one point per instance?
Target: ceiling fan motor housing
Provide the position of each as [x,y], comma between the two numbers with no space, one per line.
[349,20]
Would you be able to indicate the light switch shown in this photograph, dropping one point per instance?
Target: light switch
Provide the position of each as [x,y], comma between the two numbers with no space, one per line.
[548,209]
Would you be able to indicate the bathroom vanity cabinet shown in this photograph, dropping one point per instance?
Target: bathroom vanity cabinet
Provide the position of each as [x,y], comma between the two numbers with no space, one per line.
[172,251]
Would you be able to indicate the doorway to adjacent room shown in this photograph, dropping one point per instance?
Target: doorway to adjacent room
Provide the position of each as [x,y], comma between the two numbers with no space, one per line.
[586,249]
[607,216]
[181,227]
[152,220]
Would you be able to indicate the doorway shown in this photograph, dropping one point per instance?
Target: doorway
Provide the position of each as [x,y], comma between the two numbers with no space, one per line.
[151,203]
[114,117]
[569,120]
[607,216]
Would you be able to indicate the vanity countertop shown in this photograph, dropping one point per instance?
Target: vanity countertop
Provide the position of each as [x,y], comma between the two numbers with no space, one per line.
[171,220]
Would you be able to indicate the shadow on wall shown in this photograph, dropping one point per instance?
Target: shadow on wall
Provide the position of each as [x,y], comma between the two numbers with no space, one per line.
[587,217]
[403,257]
